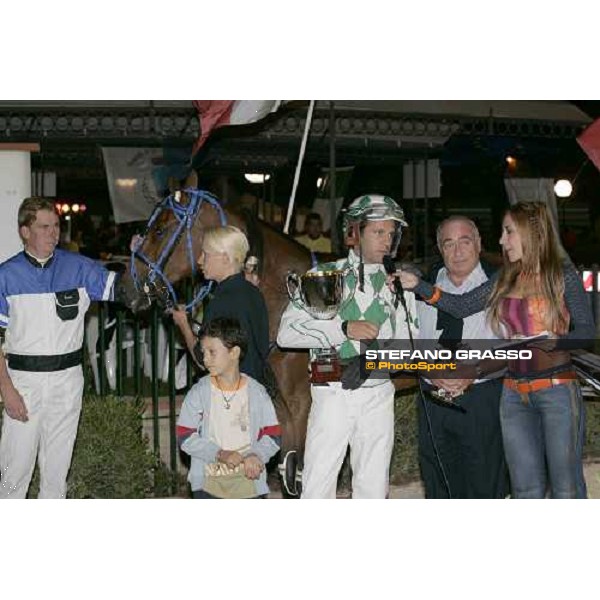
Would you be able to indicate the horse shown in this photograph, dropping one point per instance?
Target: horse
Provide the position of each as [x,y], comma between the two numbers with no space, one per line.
[178,256]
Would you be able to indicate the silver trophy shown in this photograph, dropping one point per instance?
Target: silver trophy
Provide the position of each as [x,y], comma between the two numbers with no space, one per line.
[319,293]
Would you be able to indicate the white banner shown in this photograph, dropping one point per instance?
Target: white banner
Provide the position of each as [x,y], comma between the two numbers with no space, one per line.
[523,189]
[415,170]
[43,183]
[131,184]
[15,186]
[322,206]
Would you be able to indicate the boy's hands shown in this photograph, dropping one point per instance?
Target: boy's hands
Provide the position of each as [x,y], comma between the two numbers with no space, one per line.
[230,457]
[253,466]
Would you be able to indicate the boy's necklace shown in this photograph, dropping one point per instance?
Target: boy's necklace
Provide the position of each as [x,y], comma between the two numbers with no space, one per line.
[226,400]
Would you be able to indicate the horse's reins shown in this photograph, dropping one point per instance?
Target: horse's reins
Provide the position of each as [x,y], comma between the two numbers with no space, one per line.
[186,217]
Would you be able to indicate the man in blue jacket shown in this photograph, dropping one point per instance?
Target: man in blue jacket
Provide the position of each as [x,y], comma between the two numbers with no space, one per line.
[44,295]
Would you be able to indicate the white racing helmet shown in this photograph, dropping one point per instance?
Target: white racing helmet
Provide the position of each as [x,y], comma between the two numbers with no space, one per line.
[373,207]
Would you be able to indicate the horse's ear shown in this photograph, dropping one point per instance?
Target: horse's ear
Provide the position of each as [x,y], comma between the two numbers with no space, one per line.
[173,184]
[191,181]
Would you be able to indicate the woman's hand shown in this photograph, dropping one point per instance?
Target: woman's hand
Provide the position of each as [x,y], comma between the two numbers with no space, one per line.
[180,317]
[408,280]
[252,278]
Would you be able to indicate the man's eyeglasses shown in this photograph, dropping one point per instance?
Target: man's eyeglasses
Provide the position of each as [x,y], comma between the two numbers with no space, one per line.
[464,243]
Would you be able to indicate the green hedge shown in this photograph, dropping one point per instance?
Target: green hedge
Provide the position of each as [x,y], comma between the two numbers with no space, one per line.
[112,457]
[405,462]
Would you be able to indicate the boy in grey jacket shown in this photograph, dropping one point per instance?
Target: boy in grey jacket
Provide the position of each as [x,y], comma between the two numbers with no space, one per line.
[227,422]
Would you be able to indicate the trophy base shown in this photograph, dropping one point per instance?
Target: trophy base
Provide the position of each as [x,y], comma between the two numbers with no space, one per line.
[325,367]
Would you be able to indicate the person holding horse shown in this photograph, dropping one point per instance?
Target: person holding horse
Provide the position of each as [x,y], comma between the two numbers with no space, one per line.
[362,417]
[227,422]
[222,260]
[541,409]
[44,295]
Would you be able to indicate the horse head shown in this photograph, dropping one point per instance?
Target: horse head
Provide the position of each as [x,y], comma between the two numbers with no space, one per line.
[168,250]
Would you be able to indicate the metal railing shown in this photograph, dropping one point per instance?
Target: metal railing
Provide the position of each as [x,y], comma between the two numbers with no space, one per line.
[590,277]
[129,355]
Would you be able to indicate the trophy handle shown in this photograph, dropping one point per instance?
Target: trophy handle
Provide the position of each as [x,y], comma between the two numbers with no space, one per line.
[293,279]
[345,272]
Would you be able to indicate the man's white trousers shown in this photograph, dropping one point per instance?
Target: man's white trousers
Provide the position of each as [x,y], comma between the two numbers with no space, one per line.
[53,402]
[363,419]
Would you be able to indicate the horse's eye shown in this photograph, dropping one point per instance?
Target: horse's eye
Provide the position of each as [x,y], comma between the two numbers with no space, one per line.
[159,231]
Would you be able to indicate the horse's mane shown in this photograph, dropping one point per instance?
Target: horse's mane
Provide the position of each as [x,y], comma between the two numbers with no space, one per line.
[255,232]
[322,257]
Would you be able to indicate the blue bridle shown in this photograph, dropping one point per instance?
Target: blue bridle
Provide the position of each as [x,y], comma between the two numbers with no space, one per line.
[186,217]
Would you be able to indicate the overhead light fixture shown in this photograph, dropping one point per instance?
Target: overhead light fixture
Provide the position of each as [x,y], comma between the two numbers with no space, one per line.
[126,183]
[257,177]
[319,182]
[563,188]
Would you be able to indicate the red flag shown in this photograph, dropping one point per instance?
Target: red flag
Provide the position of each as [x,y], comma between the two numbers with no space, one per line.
[589,141]
[216,113]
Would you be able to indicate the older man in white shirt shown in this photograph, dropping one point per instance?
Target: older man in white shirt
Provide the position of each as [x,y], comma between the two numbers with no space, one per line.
[469,442]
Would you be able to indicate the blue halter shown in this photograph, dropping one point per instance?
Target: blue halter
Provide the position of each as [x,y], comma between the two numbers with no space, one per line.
[186,217]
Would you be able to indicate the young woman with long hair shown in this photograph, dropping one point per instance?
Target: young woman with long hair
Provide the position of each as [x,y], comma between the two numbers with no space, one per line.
[541,409]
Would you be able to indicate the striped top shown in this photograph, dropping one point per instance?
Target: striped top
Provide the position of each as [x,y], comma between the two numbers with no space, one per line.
[526,317]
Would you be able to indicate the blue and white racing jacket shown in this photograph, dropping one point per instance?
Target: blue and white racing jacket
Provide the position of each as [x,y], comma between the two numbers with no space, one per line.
[42,307]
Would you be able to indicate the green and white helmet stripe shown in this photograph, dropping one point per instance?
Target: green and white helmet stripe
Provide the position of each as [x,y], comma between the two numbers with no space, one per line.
[374,207]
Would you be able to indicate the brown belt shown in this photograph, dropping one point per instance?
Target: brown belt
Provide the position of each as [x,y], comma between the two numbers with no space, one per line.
[525,387]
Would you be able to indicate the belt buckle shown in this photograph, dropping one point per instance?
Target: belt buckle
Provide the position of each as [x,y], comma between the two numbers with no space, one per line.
[521,387]
[527,387]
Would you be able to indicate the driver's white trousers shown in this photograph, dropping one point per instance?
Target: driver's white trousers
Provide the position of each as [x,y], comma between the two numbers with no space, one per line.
[363,419]
[53,401]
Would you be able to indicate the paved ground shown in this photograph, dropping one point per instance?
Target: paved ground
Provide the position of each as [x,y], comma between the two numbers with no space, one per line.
[415,490]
